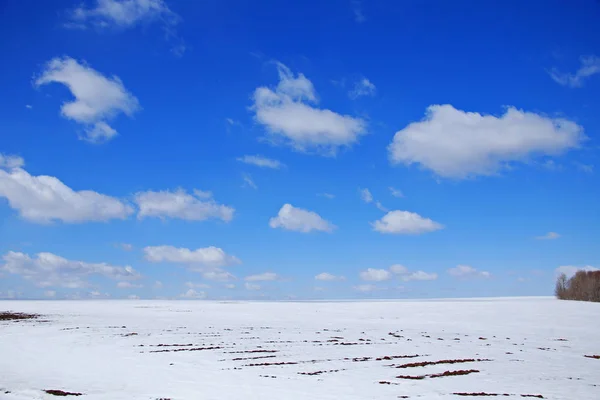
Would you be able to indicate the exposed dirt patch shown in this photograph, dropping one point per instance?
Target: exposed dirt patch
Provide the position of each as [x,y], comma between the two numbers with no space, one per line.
[595,356]
[253,351]
[426,363]
[480,394]
[388,358]
[251,358]
[443,374]
[192,349]
[319,372]
[537,396]
[61,393]
[16,316]
[173,345]
[266,364]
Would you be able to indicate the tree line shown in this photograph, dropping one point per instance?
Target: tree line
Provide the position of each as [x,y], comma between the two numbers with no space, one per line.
[584,285]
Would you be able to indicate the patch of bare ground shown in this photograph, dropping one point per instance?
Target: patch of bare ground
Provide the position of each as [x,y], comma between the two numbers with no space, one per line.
[16,316]
[267,364]
[55,392]
[443,374]
[192,349]
[426,363]
[253,351]
[388,358]
[251,358]
[173,345]
[319,372]
[595,356]
[479,394]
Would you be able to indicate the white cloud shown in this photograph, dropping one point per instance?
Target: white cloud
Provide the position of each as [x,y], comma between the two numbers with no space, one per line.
[457,144]
[585,167]
[287,114]
[126,246]
[193,285]
[466,271]
[192,294]
[396,192]
[44,199]
[366,196]
[326,276]
[300,220]
[248,182]
[158,285]
[251,286]
[212,257]
[9,161]
[405,223]
[375,275]
[50,270]
[420,276]
[570,270]
[179,204]
[133,297]
[28,106]
[590,65]
[548,236]
[398,269]
[119,14]
[230,286]
[218,275]
[261,161]
[97,98]
[365,288]
[50,293]
[127,285]
[267,276]
[362,87]
[381,207]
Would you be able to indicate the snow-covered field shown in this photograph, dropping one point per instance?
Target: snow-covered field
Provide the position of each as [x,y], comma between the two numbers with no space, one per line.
[338,350]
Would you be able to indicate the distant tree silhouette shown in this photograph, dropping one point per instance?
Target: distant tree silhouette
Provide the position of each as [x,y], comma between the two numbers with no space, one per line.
[584,285]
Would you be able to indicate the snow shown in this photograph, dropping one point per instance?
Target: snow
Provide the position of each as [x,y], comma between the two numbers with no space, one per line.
[106,349]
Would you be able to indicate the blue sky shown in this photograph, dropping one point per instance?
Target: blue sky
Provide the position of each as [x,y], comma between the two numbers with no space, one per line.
[309,150]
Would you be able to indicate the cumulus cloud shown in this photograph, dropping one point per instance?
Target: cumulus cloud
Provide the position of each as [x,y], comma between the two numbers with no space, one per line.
[548,236]
[457,144]
[266,276]
[213,257]
[326,276]
[466,271]
[44,199]
[405,223]
[570,270]
[198,206]
[366,196]
[261,161]
[590,65]
[398,269]
[98,99]
[120,14]
[362,87]
[420,276]
[297,219]
[289,114]
[50,270]
[375,275]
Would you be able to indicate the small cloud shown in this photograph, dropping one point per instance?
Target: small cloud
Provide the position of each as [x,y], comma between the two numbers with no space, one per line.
[365,288]
[192,294]
[248,182]
[375,275]
[127,285]
[297,219]
[396,192]
[158,285]
[549,236]
[326,195]
[381,207]
[251,286]
[590,65]
[366,196]
[267,276]
[125,246]
[405,223]
[466,271]
[570,270]
[398,269]
[359,16]
[193,285]
[363,87]
[29,106]
[261,161]
[133,297]
[230,286]
[9,161]
[50,293]
[325,276]
[420,276]
[588,168]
